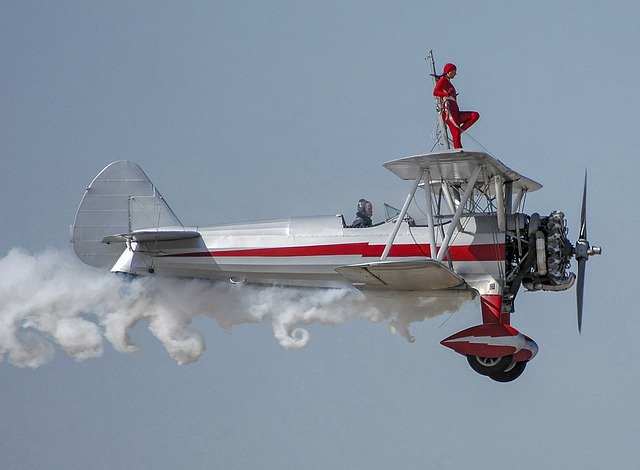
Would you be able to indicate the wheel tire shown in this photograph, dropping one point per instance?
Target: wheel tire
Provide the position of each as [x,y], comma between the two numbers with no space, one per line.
[489,365]
[511,374]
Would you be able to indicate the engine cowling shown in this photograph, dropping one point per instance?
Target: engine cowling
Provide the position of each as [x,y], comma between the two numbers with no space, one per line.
[550,251]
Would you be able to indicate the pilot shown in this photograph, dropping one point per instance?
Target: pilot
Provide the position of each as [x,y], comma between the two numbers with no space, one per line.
[364,212]
[457,121]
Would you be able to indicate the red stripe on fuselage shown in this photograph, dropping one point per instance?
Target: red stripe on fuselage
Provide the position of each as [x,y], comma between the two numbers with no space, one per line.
[490,252]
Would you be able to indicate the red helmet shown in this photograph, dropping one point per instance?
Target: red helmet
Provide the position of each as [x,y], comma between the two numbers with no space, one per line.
[449,67]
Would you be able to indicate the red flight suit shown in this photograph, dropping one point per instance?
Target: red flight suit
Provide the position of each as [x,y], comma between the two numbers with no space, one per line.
[457,121]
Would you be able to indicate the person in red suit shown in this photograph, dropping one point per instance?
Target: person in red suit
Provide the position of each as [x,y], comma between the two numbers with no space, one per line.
[457,121]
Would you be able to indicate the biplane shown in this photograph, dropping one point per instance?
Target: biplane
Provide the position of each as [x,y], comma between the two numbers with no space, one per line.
[474,238]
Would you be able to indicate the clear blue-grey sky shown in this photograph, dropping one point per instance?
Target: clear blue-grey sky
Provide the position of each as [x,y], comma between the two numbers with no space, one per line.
[259,110]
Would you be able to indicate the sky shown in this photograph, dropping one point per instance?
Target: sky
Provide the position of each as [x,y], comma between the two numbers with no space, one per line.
[262,110]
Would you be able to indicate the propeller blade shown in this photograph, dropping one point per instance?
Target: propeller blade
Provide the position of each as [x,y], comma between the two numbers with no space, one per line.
[582,251]
[582,264]
[583,214]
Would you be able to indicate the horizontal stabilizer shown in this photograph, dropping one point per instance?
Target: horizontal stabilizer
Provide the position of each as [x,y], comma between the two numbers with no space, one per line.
[152,236]
[419,274]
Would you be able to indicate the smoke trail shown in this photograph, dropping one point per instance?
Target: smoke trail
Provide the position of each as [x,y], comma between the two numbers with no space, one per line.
[50,298]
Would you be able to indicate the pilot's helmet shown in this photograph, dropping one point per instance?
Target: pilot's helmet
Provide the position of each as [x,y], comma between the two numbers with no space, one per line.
[361,204]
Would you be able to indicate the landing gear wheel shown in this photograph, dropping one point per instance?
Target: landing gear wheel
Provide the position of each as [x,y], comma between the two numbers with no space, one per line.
[489,365]
[511,374]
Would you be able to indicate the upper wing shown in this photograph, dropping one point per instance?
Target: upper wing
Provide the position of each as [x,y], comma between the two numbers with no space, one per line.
[457,166]
[419,274]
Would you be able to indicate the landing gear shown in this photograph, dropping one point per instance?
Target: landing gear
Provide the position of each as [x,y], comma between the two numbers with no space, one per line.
[511,373]
[494,349]
[489,365]
[501,369]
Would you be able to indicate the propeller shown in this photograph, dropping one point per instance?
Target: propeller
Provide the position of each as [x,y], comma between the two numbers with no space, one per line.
[582,252]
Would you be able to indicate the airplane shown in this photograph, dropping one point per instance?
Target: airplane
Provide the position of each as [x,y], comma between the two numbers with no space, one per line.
[474,239]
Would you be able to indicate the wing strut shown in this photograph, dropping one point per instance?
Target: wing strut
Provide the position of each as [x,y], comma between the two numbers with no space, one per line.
[456,217]
[518,201]
[400,218]
[432,230]
[454,222]
[500,211]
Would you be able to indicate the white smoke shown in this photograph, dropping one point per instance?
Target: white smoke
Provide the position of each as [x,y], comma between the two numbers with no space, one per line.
[50,298]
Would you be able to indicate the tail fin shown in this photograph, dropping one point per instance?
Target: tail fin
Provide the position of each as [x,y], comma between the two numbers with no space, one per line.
[119,200]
